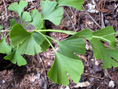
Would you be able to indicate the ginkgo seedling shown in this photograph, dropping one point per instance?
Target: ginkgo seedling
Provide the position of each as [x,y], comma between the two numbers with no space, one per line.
[66,61]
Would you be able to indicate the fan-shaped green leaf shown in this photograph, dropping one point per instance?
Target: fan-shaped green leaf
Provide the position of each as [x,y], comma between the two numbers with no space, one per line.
[107,55]
[41,41]
[100,51]
[24,40]
[45,45]
[72,45]
[18,8]
[66,61]
[12,22]
[4,47]
[39,38]
[106,34]
[85,33]
[72,3]
[29,46]
[37,20]
[26,16]
[15,57]
[18,34]
[63,65]
[51,13]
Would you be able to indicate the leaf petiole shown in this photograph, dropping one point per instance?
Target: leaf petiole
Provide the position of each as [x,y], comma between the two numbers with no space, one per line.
[27,25]
[21,20]
[42,20]
[48,41]
[52,39]
[6,35]
[98,37]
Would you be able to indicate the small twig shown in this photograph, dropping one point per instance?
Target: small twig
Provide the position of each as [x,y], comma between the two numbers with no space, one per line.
[102,21]
[116,7]
[32,7]
[78,20]
[5,9]
[71,11]
[91,17]
[108,74]
[93,76]
[102,17]
[69,18]
[46,85]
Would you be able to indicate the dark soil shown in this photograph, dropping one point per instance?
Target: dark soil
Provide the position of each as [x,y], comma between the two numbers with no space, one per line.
[33,75]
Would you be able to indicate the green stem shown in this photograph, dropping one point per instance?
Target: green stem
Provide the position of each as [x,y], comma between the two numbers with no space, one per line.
[24,24]
[21,20]
[28,25]
[52,39]
[48,41]
[6,35]
[61,31]
[39,24]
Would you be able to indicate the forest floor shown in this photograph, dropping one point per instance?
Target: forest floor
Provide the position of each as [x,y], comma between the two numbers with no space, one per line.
[96,14]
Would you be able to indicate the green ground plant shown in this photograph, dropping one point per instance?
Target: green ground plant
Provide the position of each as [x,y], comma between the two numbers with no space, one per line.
[66,61]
